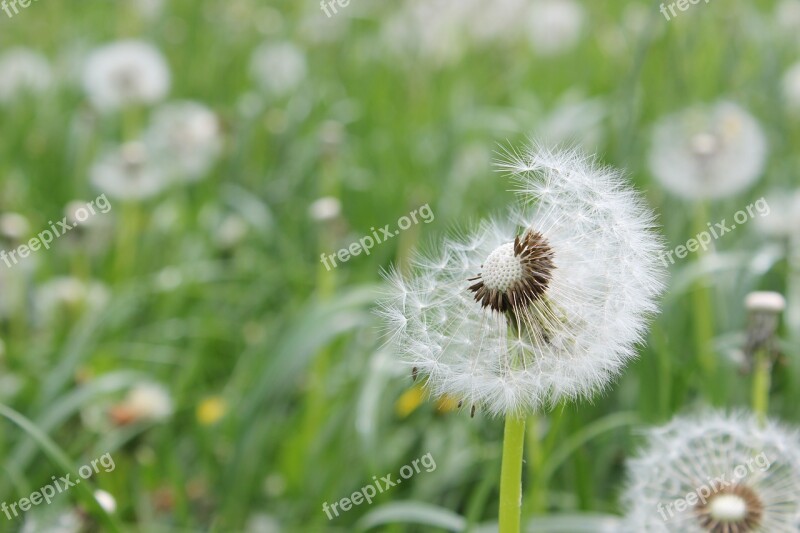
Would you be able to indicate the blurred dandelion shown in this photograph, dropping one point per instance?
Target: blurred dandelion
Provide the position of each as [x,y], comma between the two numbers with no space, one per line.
[708,152]
[554,26]
[727,473]
[145,402]
[23,71]
[125,73]
[188,138]
[129,172]
[278,68]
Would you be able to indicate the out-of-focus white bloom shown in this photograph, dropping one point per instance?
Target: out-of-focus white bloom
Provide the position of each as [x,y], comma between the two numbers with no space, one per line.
[432,30]
[106,501]
[278,67]
[46,519]
[325,209]
[263,523]
[149,8]
[791,88]
[554,26]
[708,152]
[231,232]
[14,230]
[549,305]
[765,302]
[784,215]
[787,16]
[67,296]
[129,172]
[23,71]
[125,73]
[147,402]
[748,476]
[578,122]
[187,136]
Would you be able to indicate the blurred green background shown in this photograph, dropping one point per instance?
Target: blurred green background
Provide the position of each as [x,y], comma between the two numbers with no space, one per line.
[267,387]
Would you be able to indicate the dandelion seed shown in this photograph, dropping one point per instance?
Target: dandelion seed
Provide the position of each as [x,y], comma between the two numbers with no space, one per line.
[554,26]
[730,474]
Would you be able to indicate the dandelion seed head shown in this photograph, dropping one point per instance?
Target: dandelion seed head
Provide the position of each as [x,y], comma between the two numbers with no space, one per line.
[520,313]
[748,474]
[23,71]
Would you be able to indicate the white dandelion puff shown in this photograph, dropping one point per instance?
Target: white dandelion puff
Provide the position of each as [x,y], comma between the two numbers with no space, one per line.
[23,71]
[188,137]
[126,73]
[128,172]
[708,152]
[145,402]
[715,473]
[555,26]
[278,67]
[545,306]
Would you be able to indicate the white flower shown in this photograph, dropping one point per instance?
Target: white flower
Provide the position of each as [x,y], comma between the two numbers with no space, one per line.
[149,8]
[67,295]
[23,71]
[554,26]
[128,172]
[278,67]
[791,88]
[715,473]
[187,136]
[125,73]
[149,402]
[787,16]
[106,501]
[546,306]
[325,209]
[708,152]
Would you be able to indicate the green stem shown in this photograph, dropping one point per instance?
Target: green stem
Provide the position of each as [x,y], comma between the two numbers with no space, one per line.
[511,474]
[761,384]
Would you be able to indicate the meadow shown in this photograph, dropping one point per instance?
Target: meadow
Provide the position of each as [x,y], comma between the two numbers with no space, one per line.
[201,202]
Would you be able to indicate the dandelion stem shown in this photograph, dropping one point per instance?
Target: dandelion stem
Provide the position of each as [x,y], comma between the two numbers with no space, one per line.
[761,384]
[511,474]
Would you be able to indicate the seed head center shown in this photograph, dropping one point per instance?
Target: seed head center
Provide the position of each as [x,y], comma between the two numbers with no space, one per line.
[728,508]
[502,268]
[515,274]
